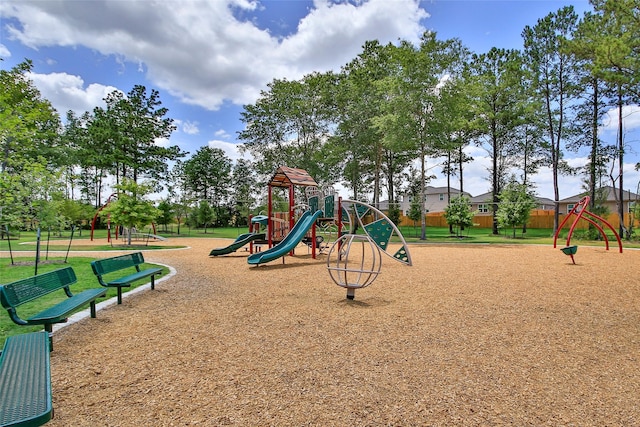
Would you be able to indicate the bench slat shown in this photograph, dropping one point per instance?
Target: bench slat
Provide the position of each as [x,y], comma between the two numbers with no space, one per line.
[127,280]
[61,310]
[31,288]
[25,380]
[103,268]
[110,265]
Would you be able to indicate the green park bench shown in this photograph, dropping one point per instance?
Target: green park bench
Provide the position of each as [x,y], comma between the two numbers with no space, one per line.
[103,269]
[25,380]
[32,288]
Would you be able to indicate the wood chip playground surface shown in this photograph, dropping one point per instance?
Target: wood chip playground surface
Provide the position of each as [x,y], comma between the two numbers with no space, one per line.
[468,336]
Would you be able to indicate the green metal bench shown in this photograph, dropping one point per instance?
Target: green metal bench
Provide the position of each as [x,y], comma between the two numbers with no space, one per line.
[25,380]
[106,266]
[26,290]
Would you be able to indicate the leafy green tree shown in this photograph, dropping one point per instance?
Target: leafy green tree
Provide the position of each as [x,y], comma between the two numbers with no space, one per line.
[167,214]
[357,101]
[415,210]
[499,107]
[13,192]
[208,177]
[394,212]
[31,197]
[407,119]
[289,124]
[130,126]
[553,76]
[78,212]
[88,162]
[458,214]
[244,190]
[205,214]
[29,125]
[179,193]
[516,203]
[614,43]
[131,208]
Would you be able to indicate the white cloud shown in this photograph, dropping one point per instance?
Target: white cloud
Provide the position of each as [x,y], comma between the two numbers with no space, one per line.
[4,52]
[190,128]
[630,117]
[200,52]
[222,134]
[230,149]
[68,92]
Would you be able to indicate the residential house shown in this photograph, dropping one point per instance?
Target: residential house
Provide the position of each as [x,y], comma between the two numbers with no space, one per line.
[437,199]
[610,203]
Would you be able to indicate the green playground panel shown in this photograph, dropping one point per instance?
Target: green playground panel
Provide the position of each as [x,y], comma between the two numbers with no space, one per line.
[402,255]
[329,206]
[380,232]
[313,203]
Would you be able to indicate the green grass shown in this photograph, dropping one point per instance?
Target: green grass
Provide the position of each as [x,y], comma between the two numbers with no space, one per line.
[86,280]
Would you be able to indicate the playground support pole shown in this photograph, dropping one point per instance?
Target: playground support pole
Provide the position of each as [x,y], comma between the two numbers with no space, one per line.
[73,228]
[6,227]
[37,251]
[291,212]
[269,217]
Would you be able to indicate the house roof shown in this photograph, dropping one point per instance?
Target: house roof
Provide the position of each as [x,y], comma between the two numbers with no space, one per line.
[286,177]
[611,196]
[482,198]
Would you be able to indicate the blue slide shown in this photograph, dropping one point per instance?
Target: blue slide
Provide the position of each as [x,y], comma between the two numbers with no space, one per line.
[292,239]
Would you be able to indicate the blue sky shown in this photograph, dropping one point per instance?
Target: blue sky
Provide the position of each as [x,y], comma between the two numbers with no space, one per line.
[208,58]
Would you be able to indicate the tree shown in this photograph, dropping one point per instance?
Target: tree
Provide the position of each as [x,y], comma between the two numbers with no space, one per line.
[243,190]
[515,206]
[166,213]
[408,120]
[131,209]
[131,127]
[29,125]
[179,193]
[357,101]
[458,214]
[615,45]
[553,78]
[205,214]
[208,177]
[289,124]
[499,107]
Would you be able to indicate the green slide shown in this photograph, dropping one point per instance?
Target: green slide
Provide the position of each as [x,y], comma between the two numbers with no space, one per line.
[240,241]
[292,239]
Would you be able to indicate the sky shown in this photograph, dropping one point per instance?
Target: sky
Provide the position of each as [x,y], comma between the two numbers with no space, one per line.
[210,58]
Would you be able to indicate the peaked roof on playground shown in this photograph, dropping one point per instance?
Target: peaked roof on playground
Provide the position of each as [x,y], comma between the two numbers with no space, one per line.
[286,176]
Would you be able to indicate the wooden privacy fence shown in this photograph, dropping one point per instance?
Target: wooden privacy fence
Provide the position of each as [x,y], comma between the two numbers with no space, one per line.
[538,219]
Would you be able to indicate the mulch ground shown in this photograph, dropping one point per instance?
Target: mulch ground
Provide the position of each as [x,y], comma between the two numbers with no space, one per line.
[467,336]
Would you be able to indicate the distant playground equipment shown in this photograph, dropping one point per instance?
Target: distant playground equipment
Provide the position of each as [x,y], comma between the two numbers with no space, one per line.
[354,261]
[580,211]
[152,235]
[240,241]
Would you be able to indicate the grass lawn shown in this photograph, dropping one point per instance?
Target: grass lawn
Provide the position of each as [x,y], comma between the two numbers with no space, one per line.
[24,267]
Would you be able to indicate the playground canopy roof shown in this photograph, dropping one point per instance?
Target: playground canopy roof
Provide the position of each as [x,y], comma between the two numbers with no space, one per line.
[286,177]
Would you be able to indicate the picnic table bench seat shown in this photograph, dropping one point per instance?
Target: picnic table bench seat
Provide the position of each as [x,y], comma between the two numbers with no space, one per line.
[103,269]
[25,380]
[19,292]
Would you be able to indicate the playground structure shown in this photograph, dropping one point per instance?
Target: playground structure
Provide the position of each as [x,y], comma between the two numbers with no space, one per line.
[282,231]
[134,234]
[580,211]
[353,269]
[356,225]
